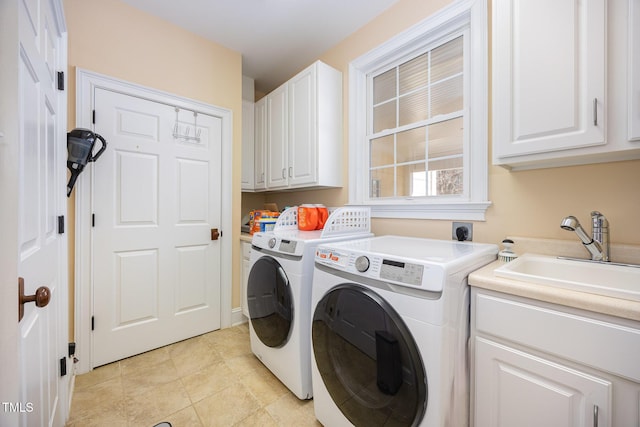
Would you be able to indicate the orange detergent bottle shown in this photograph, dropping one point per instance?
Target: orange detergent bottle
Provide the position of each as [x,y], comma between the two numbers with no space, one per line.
[323,215]
[307,217]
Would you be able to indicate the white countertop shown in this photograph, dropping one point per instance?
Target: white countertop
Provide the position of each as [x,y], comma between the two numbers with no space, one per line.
[485,278]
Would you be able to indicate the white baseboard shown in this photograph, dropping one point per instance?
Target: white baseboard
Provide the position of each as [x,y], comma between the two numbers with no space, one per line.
[237,318]
[72,389]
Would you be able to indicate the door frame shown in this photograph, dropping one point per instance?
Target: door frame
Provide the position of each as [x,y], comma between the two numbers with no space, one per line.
[86,83]
[9,191]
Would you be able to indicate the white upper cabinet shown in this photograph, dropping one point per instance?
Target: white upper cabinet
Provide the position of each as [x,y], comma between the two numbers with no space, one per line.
[548,75]
[559,82]
[303,128]
[315,127]
[277,138]
[633,75]
[298,132]
[248,168]
[259,145]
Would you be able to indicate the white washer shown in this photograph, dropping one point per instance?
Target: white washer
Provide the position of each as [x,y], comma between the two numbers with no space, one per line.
[279,293]
[390,330]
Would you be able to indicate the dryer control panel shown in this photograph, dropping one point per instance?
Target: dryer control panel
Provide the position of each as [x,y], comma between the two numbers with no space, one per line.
[277,243]
[396,271]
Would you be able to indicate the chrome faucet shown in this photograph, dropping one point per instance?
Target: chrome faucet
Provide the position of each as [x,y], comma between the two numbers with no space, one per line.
[598,246]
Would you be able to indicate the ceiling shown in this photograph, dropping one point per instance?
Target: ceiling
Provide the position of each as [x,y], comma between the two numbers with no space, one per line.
[276,38]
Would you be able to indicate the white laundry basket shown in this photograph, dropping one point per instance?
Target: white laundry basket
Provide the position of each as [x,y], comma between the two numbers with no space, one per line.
[341,221]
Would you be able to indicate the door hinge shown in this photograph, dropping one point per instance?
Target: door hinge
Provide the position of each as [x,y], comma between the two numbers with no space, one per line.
[61,224]
[63,366]
[93,220]
[93,323]
[93,117]
[60,82]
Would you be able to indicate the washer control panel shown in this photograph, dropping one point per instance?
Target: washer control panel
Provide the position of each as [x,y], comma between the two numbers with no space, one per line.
[402,272]
[396,271]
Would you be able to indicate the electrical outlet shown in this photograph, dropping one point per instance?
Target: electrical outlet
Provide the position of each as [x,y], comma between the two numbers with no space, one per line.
[462,231]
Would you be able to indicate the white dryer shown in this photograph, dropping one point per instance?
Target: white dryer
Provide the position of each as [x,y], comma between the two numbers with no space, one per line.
[390,330]
[279,291]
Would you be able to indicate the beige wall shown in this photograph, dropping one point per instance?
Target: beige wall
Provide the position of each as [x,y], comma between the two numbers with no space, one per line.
[526,203]
[112,38]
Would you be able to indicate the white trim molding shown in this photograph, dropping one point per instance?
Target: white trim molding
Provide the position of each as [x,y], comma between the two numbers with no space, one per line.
[462,211]
[467,15]
[86,84]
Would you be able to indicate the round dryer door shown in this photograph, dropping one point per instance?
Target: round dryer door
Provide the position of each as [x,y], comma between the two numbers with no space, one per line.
[270,302]
[368,359]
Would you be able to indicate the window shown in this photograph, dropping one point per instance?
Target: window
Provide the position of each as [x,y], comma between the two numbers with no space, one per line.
[415,134]
[418,142]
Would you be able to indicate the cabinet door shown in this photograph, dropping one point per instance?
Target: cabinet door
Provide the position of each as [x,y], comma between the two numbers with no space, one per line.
[514,388]
[634,71]
[260,145]
[277,138]
[548,76]
[302,128]
[248,146]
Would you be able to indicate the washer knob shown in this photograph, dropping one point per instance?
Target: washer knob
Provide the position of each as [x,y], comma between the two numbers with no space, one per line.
[362,264]
[272,242]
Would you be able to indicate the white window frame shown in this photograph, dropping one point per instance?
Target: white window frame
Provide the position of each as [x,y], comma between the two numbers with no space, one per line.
[469,16]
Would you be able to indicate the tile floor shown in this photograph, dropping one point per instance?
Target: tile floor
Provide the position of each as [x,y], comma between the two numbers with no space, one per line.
[210,380]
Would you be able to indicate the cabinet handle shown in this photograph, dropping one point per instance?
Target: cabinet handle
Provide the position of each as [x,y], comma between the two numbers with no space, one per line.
[595,111]
[284,173]
[290,172]
[595,415]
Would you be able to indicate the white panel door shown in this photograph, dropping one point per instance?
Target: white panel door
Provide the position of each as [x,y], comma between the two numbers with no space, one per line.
[41,250]
[156,272]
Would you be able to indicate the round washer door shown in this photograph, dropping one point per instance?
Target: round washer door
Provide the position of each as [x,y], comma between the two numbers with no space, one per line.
[368,359]
[270,302]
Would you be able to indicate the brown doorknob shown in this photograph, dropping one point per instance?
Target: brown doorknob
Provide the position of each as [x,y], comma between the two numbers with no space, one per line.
[41,297]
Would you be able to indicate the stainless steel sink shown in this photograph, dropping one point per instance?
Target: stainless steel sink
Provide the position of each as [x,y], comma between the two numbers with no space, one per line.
[613,280]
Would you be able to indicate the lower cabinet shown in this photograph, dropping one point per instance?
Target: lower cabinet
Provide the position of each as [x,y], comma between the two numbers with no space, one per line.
[244,276]
[539,364]
[520,389]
